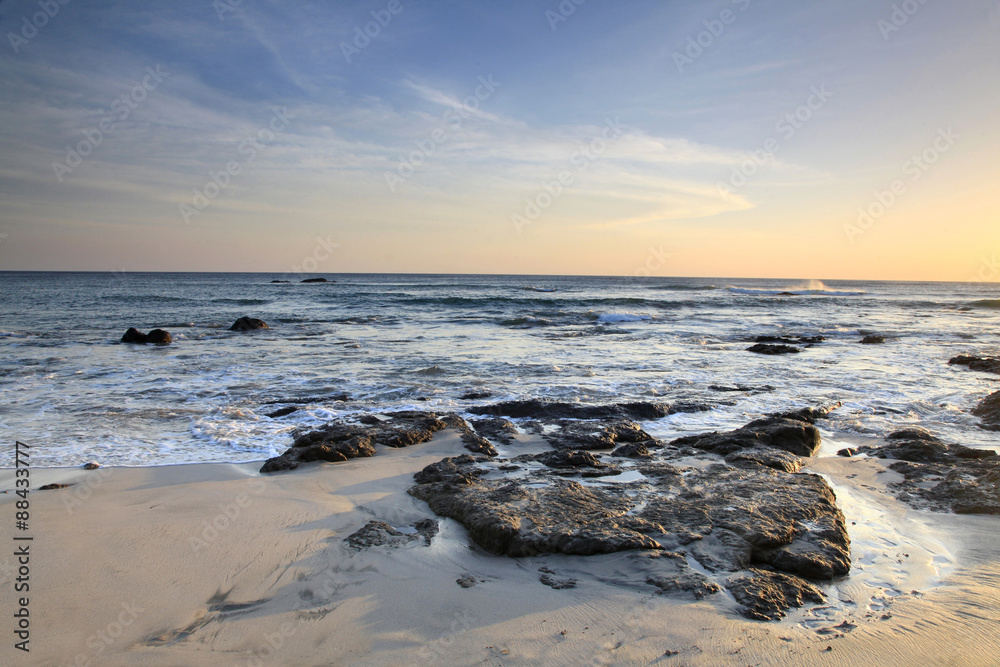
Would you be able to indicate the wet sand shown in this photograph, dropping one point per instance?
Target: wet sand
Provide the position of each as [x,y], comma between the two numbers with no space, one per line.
[215,564]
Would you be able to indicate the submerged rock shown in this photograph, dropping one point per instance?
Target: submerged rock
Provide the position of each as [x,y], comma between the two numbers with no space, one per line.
[984,364]
[248,324]
[541,409]
[872,339]
[988,411]
[798,340]
[315,280]
[766,348]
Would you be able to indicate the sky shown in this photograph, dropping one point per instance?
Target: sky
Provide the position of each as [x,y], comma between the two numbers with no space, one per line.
[856,139]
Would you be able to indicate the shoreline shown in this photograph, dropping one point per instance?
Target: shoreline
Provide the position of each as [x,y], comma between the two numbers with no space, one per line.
[275,583]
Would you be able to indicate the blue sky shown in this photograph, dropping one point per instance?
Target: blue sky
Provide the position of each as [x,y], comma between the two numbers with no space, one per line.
[265,135]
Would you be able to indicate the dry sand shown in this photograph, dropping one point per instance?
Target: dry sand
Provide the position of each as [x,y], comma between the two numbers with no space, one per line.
[127,569]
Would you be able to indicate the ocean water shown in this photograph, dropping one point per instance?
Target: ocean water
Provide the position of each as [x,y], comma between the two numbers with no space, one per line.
[73,392]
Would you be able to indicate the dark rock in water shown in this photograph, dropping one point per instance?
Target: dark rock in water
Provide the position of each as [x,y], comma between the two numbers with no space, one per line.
[798,340]
[988,411]
[456,471]
[473,395]
[740,387]
[280,281]
[340,441]
[766,595]
[594,435]
[872,339]
[767,456]
[765,348]
[159,337]
[466,581]
[133,335]
[808,415]
[791,435]
[633,450]
[539,409]
[156,337]
[309,400]
[282,412]
[93,465]
[315,280]
[54,487]
[847,452]
[984,364]
[939,476]
[248,324]
[496,428]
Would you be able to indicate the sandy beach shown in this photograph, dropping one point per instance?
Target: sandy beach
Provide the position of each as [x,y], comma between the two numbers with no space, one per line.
[216,564]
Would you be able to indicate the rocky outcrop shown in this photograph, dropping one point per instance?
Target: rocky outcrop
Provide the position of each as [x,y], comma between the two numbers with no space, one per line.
[983,364]
[769,349]
[381,534]
[496,428]
[540,409]
[939,476]
[315,280]
[342,440]
[796,340]
[766,595]
[752,509]
[594,434]
[872,339]
[988,411]
[154,337]
[248,324]
[788,432]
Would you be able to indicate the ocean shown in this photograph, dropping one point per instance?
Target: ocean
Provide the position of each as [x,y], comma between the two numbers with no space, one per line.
[75,394]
